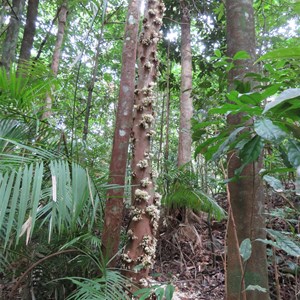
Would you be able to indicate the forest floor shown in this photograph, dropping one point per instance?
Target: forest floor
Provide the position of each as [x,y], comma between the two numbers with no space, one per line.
[191,257]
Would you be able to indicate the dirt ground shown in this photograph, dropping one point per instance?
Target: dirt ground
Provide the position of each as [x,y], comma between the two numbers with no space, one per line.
[191,257]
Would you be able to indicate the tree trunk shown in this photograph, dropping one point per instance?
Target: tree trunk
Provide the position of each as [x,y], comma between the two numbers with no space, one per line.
[62,19]
[93,80]
[246,197]
[29,31]
[186,104]
[11,39]
[139,253]
[114,205]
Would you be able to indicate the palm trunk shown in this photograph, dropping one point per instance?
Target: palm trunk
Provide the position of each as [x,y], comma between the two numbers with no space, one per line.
[114,205]
[29,31]
[11,39]
[246,199]
[62,19]
[139,253]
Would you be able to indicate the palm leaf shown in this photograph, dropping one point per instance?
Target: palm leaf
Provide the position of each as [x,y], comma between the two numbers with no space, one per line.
[20,191]
[110,286]
[183,196]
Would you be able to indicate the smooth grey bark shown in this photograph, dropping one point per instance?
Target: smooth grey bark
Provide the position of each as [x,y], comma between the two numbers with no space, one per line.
[62,20]
[246,197]
[11,39]
[93,81]
[186,104]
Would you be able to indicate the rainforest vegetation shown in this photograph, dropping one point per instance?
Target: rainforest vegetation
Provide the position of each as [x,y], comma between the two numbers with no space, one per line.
[150,149]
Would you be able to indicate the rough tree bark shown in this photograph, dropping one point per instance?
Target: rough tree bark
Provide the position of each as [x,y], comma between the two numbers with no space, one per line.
[114,205]
[186,104]
[11,39]
[246,196]
[29,31]
[139,253]
[62,20]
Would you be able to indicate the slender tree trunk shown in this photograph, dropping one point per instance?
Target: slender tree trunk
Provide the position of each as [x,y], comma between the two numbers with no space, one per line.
[114,205]
[93,80]
[139,253]
[246,197]
[29,31]
[46,37]
[186,104]
[168,100]
[62,19]
[161,134]
[11,39]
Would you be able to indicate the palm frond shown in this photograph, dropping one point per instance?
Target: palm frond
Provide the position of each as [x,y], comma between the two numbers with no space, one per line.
[182,196]
[24,92]
[184,192]
[112,285]
[50,191]
[20,192]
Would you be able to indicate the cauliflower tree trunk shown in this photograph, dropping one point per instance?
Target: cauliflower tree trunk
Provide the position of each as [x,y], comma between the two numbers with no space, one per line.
[139,253]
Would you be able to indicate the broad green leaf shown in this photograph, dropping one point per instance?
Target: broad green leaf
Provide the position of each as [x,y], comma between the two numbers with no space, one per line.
[159,292]
[233,95]
[282,242]
[293,148]
[284,53]
[245,249]
[223,147]
[251,98]
[251,150]
[256,288]
[169,291]
[241,55]
[281,103]
[207,145]
[266,129]
[270,90]
[211,150]
[274,183]
[218,53]
[249,153]
[226,108]
[297,7]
